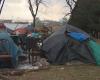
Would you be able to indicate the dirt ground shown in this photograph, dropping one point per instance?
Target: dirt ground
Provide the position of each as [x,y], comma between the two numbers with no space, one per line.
[65,72]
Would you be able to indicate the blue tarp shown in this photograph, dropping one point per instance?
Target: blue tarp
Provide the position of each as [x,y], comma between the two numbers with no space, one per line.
[78,36]
[10,46]
[35,35]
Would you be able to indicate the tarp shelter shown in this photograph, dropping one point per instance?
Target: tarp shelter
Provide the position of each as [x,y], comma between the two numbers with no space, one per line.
[95,48]
[60,48]
[9,46]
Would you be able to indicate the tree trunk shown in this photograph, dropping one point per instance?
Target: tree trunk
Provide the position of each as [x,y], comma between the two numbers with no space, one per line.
[86,15]
[34,25]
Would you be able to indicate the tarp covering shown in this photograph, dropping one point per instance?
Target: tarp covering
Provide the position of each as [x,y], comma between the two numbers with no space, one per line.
[21,31]
[78,36]
[34,35]
[95,47]
[9,46]
[60,49]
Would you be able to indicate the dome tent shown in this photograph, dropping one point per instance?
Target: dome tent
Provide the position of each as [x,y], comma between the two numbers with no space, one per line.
[60,48]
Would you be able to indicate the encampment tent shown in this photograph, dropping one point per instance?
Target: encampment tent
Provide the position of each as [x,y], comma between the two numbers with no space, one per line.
[9,47]
[60,48]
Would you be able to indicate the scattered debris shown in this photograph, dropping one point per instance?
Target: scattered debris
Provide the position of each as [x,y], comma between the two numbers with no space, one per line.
[2,77]
[42,63]
[62,68]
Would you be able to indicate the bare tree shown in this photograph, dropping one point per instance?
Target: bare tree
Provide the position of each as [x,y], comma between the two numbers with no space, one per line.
[70,4]
[34,7]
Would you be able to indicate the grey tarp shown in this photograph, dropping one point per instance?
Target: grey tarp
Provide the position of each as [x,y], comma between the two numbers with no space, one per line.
[58,49]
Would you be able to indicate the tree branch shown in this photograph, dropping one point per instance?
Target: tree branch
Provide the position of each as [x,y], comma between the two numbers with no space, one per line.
[31,8]
[34,9]
[67,14]
[37,6]
[2,6]
[74,1]
[0,1]
[68,2]
[71,4]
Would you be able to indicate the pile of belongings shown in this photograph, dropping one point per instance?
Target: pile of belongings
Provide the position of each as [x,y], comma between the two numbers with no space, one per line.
[71,44]
[38,65]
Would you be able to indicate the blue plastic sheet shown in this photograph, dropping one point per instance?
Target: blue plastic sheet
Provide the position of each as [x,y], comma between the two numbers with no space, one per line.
[35,35]
[78,36]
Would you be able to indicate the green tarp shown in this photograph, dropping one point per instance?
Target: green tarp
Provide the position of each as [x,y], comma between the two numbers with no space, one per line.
[95,47]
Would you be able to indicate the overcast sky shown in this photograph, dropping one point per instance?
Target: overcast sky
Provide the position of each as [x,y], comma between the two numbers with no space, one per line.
[18,9]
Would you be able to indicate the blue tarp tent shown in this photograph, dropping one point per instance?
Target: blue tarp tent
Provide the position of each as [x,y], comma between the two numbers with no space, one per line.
[9,46]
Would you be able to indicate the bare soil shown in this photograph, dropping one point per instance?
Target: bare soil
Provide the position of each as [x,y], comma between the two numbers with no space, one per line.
[64,72]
